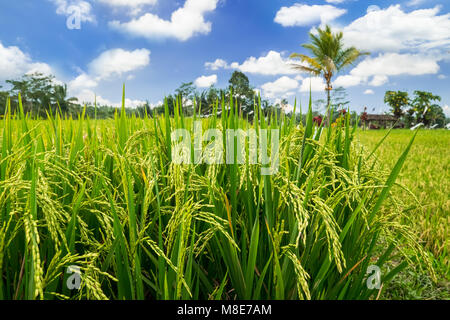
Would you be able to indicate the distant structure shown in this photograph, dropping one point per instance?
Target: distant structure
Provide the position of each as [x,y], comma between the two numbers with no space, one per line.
[447,126]
[318,120]
[378,120]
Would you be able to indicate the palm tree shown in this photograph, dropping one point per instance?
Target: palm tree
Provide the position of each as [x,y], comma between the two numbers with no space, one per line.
[328,57]
[60,95]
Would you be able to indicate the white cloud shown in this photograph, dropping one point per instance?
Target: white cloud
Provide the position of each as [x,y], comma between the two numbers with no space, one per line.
[157,104]
[69,7]
[82,81]
[184,23]
[89,96]
[306,15]
[378,80]
[394,30]
[281,87]
[347,81]
[216,65]
[271,64]
[413,3]
[372,8]
[446,109]
[316,84]
[133,7]
[14,63]
[335,1]
[369,91]
[287,108]
[376,71]
[129,3]
[109,64]
[394,64]
[206,81]
[119,61]
[442,77]
[408,43]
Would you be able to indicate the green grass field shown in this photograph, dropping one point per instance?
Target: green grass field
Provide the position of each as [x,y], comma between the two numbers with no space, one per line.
[107,198]
[426,174]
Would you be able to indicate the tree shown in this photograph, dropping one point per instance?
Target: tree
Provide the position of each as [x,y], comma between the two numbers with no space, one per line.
[421,106]
[3,98]
[242,91]
[339,100]
[36,90]
[60,96]
[208,99]
[436,115]
[397,100]
[187,91]
[328,56]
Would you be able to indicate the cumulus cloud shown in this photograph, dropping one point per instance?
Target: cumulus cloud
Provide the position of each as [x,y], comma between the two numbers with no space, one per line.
[369,92]
[394,30]
[14,63]
[378,80]
[306,15]
[393,64]
[446,109]
[405,43]
[206,81]
[281,87]
[216,65]
[316,84]
[286,107]
[109,64]
[119,61]
[134,7]
[83,81]
[347,81]
[272,64]
[89,96]
[129,3]
[184,23]
[414,3]
[376,71]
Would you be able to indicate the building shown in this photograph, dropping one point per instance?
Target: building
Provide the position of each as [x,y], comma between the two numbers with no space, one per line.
[377,121]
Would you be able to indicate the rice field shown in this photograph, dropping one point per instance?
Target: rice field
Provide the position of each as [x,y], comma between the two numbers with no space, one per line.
[98,209]
[426,177]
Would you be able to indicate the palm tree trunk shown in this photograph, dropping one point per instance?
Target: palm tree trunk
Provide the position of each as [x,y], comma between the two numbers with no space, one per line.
[329,120]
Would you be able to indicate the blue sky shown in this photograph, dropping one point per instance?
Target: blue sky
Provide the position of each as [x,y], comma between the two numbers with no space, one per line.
[155,45]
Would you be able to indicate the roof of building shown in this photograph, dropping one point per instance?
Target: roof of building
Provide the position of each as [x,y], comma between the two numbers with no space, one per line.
[380,117]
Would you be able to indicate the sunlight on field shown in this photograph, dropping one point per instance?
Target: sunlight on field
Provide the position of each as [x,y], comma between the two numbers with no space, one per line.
[427,174]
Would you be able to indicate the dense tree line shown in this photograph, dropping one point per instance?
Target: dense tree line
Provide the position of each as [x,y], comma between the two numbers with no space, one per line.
[41,94]
[421,108]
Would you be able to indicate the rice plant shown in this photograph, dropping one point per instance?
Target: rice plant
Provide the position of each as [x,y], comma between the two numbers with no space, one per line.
[425,201]
[106,197]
